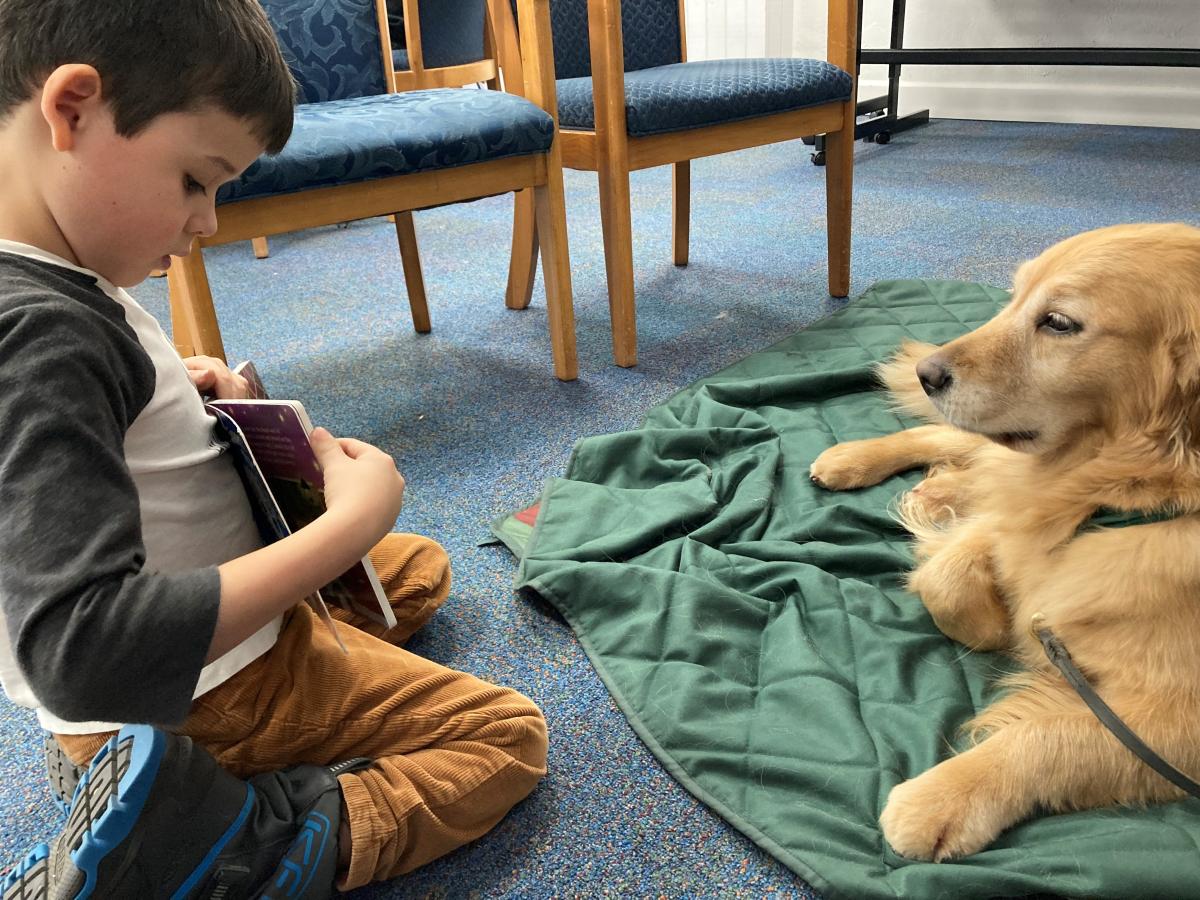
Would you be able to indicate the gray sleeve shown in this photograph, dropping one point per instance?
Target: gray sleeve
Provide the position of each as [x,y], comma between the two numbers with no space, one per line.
[96,635]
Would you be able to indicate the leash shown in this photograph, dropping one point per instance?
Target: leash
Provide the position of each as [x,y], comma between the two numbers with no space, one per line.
[1057,653]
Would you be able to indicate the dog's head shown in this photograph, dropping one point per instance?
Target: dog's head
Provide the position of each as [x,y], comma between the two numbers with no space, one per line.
[1101,338]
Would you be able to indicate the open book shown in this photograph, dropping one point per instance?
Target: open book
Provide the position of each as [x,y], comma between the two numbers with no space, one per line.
[268,441]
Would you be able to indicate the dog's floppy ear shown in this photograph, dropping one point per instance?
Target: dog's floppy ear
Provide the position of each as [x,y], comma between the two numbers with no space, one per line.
[1180,410]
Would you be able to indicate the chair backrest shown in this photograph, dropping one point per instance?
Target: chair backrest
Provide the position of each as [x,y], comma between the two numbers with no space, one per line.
[335,48]
[452,32]
[649,32]
[449,43]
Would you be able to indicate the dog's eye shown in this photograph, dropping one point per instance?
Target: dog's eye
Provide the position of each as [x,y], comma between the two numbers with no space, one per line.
[1057,323]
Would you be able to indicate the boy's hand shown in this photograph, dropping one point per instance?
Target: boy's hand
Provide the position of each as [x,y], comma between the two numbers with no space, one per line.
[361,482]
[214,378]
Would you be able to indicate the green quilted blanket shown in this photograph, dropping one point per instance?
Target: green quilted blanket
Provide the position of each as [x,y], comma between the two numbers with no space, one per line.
[755,630]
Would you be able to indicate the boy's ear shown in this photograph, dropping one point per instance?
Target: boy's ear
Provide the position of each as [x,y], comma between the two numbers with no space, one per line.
[70,96]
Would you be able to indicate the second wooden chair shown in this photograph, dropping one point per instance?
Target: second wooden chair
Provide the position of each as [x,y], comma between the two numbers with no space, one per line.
[628,99]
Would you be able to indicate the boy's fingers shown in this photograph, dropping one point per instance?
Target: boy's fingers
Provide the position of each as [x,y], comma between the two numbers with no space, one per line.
[197,363]
[324,445]
[355,448]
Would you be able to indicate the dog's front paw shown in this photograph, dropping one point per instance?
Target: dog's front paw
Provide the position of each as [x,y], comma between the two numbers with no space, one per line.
[849,465]
[935,818]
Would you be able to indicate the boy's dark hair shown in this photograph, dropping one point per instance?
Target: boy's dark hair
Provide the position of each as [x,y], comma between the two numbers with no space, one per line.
[154,57]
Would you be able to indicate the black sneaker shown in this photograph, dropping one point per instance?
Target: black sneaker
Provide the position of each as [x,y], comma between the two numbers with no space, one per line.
[155,816]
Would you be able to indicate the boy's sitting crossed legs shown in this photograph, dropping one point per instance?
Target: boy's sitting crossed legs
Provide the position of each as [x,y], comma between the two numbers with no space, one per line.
[133,584]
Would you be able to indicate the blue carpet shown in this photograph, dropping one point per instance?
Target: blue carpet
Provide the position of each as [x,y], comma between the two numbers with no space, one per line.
[477,422]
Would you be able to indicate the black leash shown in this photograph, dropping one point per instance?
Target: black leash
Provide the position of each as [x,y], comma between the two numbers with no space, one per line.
[1058,655]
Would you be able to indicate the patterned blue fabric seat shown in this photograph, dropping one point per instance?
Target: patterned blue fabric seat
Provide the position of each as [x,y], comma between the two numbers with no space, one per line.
[378,136]
[694,94]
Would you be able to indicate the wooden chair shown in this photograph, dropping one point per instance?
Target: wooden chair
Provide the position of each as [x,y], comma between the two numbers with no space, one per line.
[632,101]
[453,47]
[450,43]
[358,151]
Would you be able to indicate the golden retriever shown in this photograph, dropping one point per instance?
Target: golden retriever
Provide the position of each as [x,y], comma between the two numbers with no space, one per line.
[1082,393]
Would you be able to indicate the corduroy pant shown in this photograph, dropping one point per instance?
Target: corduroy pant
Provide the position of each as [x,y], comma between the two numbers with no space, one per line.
[452,754]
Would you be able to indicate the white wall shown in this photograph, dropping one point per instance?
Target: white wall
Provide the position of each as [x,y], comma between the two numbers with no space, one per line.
[1097,94]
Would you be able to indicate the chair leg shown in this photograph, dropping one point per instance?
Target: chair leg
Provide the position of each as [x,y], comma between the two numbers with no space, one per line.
[617,223]
[839,183]
[523,265]
[194,329]
[410,257]
[550,210]
[681,208]
[261,248]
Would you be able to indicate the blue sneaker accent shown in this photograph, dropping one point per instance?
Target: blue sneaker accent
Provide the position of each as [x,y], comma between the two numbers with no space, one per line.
[295,874]
[201,870]
[105,806]
[155,815]
[25,867]
[130,760]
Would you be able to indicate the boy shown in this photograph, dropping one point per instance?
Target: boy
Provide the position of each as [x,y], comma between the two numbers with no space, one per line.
[133,586]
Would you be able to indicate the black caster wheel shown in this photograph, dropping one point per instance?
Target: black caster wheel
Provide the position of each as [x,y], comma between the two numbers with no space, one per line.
[883,137]
[818,158]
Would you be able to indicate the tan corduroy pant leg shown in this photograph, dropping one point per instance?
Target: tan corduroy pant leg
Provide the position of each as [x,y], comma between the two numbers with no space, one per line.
[452,754]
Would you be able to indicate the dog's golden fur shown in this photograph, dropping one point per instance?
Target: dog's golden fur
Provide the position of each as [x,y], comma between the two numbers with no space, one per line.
[1082,393]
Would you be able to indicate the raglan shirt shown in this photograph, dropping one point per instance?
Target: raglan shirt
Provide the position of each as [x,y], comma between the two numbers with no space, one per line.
[117,504]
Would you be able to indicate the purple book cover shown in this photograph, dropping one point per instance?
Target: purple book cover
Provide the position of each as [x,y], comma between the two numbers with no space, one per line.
[276,432]
[255,388]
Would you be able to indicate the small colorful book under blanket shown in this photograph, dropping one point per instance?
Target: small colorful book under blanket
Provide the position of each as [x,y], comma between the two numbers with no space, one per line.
[755,629]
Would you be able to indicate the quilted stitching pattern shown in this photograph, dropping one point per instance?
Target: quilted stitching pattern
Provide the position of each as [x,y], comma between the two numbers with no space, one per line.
[756,631]
[649,32]
[331,46]
[694,94]
[364,138]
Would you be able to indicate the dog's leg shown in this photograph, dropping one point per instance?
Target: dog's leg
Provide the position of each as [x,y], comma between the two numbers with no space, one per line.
[1052,754]
[855,464]
[958,587]
[946,493]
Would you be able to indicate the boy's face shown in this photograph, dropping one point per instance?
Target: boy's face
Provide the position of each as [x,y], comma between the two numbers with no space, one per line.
[125,205]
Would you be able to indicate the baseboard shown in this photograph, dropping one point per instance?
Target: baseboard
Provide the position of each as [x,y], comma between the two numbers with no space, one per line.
[1100,105]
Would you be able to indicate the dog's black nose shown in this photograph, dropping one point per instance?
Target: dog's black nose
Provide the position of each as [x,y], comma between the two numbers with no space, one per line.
[933,374]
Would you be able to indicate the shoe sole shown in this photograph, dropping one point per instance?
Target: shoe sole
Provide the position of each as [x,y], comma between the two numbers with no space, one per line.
[61,772]
[106,805]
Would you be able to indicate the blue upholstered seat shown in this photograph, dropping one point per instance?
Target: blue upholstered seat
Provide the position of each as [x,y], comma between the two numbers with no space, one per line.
[363,138]
[348,128]
[694,94]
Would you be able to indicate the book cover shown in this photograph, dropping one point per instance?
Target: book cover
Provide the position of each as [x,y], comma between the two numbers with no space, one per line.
[255,389]
[286,487]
